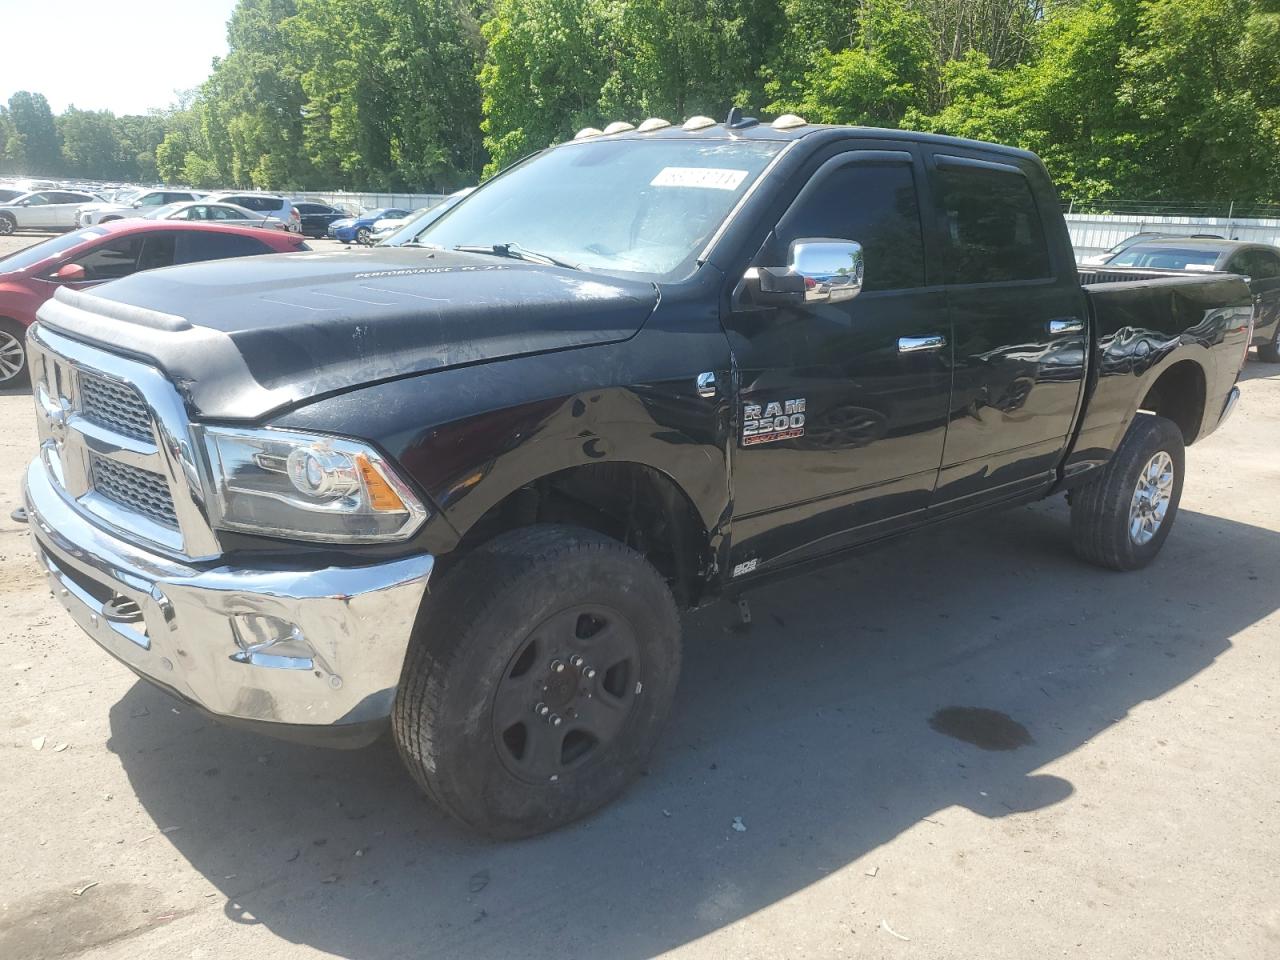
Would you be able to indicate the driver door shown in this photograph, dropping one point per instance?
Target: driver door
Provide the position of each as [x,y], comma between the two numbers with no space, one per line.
[870,376]
[38,213]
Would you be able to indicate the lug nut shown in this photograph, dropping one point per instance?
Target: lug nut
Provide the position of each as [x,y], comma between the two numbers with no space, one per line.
[576,661]
[542,709]
[557,666]
[589,673]
[556,720]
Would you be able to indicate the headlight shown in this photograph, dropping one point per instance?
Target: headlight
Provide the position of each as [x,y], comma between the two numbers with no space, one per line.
[284,484]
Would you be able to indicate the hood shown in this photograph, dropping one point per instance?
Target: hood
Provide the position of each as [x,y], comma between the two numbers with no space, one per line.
[342,222]
[242,338]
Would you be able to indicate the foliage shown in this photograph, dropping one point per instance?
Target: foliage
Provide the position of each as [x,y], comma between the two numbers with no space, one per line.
[1133,99]
[34,141]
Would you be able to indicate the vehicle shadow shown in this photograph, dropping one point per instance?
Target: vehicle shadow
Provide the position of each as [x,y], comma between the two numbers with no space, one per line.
[812,725]
[1257,369]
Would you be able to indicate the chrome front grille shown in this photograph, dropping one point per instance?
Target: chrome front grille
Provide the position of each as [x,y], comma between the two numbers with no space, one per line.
[117,443]
[133,488]
[116,406]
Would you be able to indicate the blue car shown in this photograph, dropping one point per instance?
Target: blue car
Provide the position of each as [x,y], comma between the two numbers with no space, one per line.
[360,228]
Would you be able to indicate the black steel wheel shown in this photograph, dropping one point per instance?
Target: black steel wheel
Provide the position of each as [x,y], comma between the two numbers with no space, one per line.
[567,692]
[538,679]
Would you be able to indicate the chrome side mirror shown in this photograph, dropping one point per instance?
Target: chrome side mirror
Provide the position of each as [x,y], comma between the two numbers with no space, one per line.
[832,269]
[818,270]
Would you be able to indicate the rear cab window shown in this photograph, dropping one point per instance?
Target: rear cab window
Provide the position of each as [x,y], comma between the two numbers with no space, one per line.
[991,226]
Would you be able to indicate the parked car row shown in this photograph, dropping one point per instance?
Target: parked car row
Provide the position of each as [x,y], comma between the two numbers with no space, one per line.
[42,205]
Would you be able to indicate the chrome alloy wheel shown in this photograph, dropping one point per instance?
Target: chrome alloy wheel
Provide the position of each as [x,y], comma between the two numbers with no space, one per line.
[1151,498]
[13,356]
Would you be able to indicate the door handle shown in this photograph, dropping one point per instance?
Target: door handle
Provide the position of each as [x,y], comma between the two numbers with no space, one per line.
[1065,325]
[921,344]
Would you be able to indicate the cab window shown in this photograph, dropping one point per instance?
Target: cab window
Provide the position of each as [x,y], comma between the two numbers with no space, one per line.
[991,227]
[874,204]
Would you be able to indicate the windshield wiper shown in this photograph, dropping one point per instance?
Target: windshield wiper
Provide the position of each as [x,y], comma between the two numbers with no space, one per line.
[514,251]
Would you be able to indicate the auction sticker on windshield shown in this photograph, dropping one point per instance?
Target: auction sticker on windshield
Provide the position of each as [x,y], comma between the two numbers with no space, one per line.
[706,178]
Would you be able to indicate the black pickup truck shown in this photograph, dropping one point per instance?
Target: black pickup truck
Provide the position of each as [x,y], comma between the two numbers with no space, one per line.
[466,485]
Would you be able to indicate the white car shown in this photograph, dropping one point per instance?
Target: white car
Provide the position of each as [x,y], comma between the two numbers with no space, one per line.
[206,211]
[135,204]
[45,210]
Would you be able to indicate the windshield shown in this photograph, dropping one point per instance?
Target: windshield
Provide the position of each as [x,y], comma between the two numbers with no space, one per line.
[50,248]
[617,206]
[1166,258]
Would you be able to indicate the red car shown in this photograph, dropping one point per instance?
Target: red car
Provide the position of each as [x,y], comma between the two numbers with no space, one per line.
[105,252]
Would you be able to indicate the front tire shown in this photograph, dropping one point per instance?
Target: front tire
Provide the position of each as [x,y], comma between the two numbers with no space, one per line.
[538,680]
[362,236]
[1121,519]
[8,225]
[14,371]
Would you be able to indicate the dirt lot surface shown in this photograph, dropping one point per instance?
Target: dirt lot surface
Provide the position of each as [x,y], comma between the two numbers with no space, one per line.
[1135,812]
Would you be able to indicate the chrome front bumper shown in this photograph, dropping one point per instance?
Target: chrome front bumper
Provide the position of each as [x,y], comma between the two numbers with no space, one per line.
[284,647]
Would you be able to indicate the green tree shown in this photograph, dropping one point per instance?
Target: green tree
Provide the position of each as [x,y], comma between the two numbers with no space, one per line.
[91,145]
[546,63]
[881,65]
[38,150]
[391,94]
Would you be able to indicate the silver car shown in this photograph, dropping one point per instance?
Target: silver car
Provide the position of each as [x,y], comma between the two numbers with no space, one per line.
[205,211]
[138,203]
[43,210]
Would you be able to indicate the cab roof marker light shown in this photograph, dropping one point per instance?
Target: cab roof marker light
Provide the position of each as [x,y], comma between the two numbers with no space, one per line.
[698,123]
[618,126]
[585,133]
[789,121]
[653,123]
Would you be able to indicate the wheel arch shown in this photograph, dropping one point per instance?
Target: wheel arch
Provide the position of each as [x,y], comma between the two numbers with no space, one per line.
[630,501]
[1179,392]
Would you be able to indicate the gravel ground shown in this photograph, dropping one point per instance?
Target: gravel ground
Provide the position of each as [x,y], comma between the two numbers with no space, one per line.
[1137,816]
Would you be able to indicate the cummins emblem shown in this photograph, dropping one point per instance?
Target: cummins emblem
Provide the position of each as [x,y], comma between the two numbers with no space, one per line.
[774,421]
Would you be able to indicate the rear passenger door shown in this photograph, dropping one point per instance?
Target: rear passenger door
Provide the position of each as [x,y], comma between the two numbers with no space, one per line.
[1018,328]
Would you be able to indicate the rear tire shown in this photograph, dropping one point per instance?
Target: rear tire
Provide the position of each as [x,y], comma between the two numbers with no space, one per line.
[541,623]
[14,371]
[1270,352]
[1121,519]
